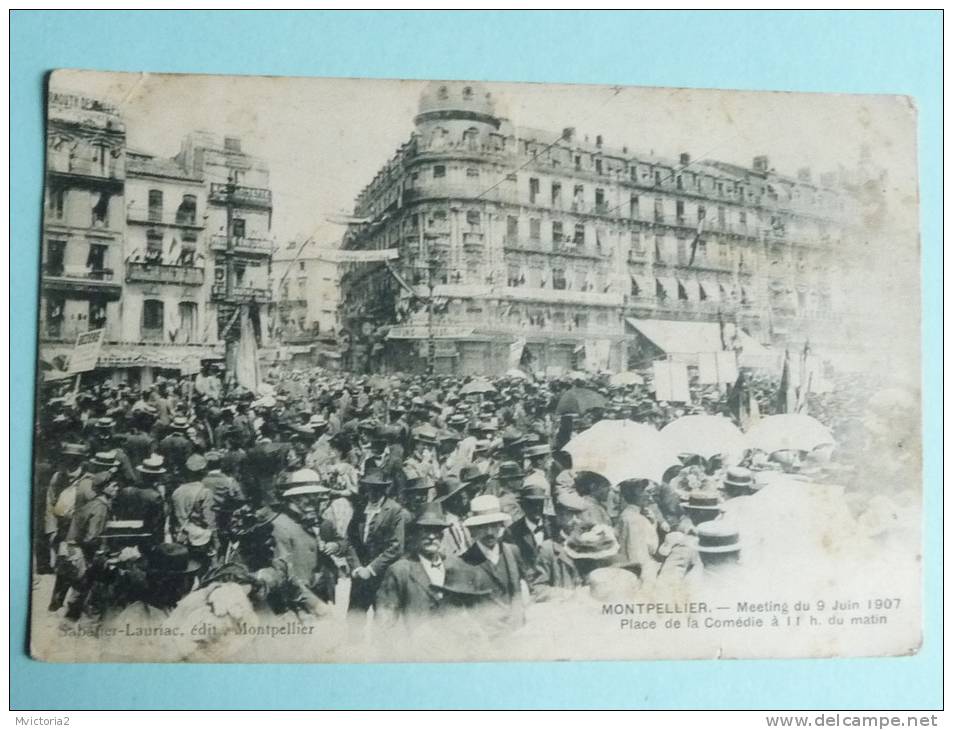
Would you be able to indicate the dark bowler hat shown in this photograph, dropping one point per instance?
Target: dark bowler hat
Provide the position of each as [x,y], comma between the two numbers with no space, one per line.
[449,486]
[512,437]
[537,450]
[431,515]
[510,470]
[534,492]
[169,558]
[471,474]
[465,582]
[375,478]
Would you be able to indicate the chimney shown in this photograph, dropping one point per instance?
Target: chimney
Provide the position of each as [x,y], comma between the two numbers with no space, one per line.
[625,150]
[804,174]
[568,133]
[760,163]
[684,159]
[598,140]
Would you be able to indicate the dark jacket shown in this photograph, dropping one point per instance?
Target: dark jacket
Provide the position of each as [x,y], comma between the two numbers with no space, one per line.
[519,534]
[555,574]
[385,538]
[406,593]
[504,580]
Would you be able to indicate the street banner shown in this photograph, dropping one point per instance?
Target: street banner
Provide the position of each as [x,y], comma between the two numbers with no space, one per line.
[86,351]
[338,256]
[516,353]
[707,368]
[727,362]
[671,381]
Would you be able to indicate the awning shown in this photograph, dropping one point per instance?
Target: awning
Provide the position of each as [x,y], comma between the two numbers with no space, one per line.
[669,285]
[712,291]
[691,288]
[685,340]
[645,285]
[677,337]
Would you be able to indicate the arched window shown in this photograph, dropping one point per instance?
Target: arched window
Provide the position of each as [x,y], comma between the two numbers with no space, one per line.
[442,93]
[185,215]
[471,138]
[467,93]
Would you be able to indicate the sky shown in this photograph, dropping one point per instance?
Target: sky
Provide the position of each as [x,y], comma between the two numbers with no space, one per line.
[325,139]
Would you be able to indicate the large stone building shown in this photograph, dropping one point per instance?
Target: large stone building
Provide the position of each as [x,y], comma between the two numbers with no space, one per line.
[82,257]
[135,244]
[516,233]
[306,297]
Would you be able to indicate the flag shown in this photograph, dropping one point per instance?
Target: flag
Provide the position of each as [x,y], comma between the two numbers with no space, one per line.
[246,370]
[742,403]
[696,240]
[786,400]
[806,376]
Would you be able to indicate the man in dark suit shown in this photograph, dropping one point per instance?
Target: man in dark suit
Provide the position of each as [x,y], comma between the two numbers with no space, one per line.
[375,537]
[411,591]
[530,531]
[499,560]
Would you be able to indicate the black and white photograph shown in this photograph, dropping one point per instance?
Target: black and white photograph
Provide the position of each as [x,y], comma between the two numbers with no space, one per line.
[353,370]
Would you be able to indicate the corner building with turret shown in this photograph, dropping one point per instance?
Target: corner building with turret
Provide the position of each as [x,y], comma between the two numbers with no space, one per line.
[523,235]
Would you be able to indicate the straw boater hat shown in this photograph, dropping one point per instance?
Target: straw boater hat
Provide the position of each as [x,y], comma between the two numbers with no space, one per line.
[74,450]
[105,460]
[303,481]
[597,543]
[739,477]
[486,510]
[718,537]
[196,463]
[152,465]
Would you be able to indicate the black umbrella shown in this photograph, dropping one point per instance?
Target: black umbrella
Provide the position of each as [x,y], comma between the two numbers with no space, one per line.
[580,400]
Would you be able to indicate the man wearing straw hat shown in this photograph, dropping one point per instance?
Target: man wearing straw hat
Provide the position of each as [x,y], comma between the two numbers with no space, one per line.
[499,560]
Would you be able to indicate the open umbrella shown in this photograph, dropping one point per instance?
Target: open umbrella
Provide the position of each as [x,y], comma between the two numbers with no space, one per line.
[788,431]
[580,400]
[705,436]
[620,450]
[479,385]
[626,378]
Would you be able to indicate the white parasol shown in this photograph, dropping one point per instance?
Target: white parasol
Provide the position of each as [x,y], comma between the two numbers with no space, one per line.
[620,450]
[705,436]
[788,431]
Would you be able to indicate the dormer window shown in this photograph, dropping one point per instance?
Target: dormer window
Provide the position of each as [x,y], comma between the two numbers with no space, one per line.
[442,93]
[467,93]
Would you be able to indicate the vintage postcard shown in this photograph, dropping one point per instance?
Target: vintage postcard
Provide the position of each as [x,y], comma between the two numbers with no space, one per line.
[342,370]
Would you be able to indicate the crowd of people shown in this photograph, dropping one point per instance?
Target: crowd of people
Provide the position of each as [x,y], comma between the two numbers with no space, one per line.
[409,496]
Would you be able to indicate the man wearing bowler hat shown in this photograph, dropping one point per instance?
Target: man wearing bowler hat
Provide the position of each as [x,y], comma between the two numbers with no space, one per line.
[375,538]
[411,590]
[453,497]
[534,527]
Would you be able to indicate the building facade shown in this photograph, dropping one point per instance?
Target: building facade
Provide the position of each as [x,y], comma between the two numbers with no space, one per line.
[238,226]
[83,222]
[306,291]
[518,234]
[136,244]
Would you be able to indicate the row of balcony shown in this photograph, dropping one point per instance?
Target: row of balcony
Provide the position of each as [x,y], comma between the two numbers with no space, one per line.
[165,274]
[161,216]
[110,169]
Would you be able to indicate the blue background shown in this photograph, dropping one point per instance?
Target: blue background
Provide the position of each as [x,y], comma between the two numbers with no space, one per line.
[859,52]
